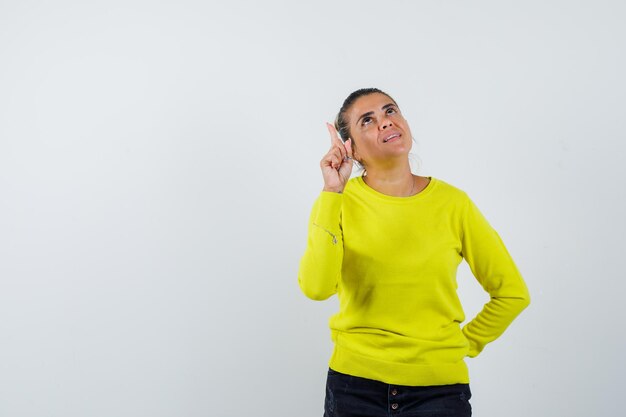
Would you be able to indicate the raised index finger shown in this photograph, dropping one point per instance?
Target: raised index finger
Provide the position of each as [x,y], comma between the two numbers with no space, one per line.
[334,137]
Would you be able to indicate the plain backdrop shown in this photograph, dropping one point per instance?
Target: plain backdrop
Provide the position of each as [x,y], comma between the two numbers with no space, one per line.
[159,160]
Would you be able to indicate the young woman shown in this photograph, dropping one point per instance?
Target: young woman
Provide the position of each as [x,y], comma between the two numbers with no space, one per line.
[388,243]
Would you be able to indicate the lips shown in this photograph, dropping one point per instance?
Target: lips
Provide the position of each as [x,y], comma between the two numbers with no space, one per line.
[391,137]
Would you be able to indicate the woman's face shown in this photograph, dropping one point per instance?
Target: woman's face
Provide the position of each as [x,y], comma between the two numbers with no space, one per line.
[378,130]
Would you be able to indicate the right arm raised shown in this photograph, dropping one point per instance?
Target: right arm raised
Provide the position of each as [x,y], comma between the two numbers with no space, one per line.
[320,267]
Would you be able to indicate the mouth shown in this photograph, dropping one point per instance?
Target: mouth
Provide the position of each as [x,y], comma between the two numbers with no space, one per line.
[391,137]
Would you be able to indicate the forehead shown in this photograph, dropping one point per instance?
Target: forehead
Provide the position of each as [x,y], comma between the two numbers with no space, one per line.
[370,102]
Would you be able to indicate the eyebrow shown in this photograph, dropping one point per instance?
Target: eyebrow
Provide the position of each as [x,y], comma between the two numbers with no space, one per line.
[369,113]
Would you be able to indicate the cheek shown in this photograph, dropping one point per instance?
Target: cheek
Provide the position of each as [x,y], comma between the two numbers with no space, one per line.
[359,147]
[368,140]
[405,124]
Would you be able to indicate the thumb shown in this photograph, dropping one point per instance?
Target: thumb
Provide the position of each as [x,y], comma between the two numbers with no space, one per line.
[345,170]
[348,146]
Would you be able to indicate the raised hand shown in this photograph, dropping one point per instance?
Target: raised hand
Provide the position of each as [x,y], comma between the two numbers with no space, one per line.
[337,163]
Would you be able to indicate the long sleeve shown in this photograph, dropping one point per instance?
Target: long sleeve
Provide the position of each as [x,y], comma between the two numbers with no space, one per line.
[320,266]
[495,270]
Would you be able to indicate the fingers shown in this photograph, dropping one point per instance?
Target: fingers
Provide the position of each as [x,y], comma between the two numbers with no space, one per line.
[334,137]
[333,158]
[339,152]
[346,147]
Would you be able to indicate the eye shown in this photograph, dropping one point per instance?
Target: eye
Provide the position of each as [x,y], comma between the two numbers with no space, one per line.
[366,120]
[391,110]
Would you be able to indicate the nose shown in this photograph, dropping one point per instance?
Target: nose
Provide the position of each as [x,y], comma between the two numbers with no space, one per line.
[385,123]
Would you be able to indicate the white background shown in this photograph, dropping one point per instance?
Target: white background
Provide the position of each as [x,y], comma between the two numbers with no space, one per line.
[158,161]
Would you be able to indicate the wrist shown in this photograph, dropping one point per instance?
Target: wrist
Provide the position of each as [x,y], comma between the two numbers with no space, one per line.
[333,190]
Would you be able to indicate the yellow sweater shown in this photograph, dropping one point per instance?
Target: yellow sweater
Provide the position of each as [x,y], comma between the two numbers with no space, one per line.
[392,262]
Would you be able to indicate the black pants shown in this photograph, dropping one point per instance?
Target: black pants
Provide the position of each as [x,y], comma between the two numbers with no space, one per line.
[351,396]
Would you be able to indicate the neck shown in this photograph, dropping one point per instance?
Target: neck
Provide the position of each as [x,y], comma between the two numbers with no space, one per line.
[397,181]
